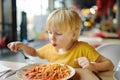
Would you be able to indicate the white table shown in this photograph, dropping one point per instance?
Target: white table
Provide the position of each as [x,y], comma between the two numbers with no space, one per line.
[13,66]
[80,73]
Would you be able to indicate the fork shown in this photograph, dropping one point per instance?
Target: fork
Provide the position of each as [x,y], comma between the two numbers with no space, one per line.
[27,59]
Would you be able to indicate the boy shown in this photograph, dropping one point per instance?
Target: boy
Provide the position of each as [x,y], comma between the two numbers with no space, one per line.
[63,28]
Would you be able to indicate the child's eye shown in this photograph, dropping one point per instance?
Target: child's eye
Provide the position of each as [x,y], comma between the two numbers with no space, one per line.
[58,33]
[49,32]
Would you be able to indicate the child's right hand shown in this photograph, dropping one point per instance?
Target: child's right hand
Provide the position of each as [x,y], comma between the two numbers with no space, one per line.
[15,46]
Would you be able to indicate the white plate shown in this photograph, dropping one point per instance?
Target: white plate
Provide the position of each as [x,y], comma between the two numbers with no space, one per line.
[116,75]
[22,70]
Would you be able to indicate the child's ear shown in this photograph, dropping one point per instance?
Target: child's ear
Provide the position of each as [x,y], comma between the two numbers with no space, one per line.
[76,34]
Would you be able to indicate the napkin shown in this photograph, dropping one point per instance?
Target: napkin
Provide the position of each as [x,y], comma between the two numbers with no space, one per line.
[4,69]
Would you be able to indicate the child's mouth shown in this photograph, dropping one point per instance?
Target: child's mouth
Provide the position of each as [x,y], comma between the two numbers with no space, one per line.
[54,45]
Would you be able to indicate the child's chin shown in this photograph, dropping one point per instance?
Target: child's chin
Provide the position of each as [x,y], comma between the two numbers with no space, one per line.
[57,48]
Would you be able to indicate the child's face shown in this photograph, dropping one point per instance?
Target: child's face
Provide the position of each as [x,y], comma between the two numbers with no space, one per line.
[61,40]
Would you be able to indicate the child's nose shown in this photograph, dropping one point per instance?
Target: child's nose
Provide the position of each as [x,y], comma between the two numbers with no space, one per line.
[53,37]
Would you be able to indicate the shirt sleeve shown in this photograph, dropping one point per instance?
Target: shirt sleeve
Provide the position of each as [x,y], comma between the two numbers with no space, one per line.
[91,53]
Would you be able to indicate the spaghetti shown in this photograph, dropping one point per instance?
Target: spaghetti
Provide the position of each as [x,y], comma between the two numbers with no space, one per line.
[47,72]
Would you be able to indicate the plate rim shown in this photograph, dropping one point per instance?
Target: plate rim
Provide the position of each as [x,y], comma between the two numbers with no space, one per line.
[72,73]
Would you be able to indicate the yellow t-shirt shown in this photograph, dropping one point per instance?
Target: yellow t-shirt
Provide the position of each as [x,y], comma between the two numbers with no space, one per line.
[79,49]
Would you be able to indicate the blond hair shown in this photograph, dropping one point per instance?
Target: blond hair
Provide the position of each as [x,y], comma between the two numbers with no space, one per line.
[65,20]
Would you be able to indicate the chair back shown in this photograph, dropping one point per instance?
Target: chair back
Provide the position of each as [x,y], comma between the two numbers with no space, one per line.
[110,51]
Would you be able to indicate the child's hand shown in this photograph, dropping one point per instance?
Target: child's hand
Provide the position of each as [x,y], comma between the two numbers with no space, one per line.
[14,46]
[83,62]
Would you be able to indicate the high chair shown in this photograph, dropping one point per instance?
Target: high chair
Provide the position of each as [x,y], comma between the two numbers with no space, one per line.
[110,51]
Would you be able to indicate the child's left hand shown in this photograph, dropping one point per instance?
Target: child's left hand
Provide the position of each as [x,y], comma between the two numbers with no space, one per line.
[83,62]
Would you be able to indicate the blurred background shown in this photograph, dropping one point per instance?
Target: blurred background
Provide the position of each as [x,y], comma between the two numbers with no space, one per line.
[24,20]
